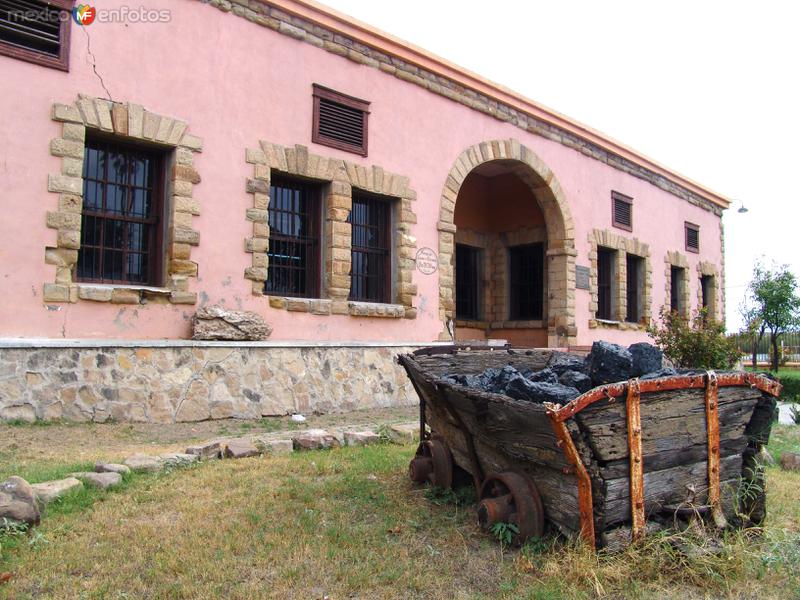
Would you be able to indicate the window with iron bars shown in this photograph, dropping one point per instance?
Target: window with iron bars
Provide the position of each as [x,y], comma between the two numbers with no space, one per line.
[371,256]
[121,223]
[294,238]
[526,282]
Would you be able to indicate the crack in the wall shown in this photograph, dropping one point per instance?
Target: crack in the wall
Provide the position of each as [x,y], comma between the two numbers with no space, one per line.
[93,62]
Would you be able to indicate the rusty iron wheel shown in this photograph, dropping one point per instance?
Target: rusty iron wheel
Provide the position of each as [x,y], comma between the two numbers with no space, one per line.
[510,497]
[433,463]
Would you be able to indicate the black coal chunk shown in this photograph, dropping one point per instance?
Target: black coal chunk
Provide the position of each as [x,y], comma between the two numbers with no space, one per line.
[646,358]
[609,363]
[520,388]
[545,375]
[496,380]
[576,379]
[660,373]
[560,363]
[473,381]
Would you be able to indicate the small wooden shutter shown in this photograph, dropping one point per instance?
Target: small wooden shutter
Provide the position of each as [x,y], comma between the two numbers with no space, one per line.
[340,121]
[622,211]
[35,31]
[692,237]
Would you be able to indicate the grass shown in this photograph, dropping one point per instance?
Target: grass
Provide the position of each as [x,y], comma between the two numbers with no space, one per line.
[349,523]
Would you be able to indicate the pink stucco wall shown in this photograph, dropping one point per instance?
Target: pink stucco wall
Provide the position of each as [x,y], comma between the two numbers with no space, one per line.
[236,83]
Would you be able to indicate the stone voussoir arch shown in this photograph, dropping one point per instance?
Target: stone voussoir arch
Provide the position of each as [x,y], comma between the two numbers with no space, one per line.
[552,200]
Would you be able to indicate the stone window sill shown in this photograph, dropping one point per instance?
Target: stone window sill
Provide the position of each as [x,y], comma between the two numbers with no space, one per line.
[376,309]
[621,325]
[323,306]
[115,293]
[518,325]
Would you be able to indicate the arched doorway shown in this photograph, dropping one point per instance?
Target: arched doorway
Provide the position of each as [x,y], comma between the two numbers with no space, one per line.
[507,249]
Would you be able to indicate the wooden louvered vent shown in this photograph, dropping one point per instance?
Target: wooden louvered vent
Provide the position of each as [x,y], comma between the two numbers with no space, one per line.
[622,211]
[340,121]
[36,31]
[692,237]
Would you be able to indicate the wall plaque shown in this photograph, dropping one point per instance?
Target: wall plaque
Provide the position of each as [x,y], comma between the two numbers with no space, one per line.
[427,261]
[582,277]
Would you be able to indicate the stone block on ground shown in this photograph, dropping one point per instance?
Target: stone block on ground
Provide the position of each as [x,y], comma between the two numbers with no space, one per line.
[52,490]
[314,439]
[609,363]
[207,450]
[790,461]
[101,467]
[404,433]
[142,463]
[218,323]
[361,438]
[18,501]
[98,480]
[646,358]
[240,448]
[274,446]
[178,459]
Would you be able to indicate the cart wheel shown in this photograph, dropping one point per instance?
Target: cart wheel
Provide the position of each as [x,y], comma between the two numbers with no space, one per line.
[510,497]
[433,464]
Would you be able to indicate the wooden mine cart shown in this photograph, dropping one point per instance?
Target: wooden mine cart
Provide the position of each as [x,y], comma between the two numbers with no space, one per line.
[614,460]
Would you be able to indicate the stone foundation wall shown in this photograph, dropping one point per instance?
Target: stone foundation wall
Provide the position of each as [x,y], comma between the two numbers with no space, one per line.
[195,381]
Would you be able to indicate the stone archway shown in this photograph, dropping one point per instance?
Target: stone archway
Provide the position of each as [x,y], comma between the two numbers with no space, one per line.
[561,329]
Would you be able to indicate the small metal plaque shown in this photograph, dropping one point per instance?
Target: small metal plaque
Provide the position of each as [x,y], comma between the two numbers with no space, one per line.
[427,261]
[582,277]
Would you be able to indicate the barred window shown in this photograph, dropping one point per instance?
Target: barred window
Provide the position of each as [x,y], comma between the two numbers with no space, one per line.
[121,226]
[606,270]
[36,31]
[371,264]
[676,290]
[294,238]
[635,288]
[469,262]
[526,281]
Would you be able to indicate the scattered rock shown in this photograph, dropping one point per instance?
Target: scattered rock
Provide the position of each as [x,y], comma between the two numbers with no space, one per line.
[270,446]
[18,501]
[99,480]
[790,461]
[609,363]
[646,358]
[207,450]
[51,490]
[404,433]
[297,418]
[240,448]
[178,459]
[361,438]
[576,379]
[314,439]
[111,468]
[143,463]
[218,323]
[540,391]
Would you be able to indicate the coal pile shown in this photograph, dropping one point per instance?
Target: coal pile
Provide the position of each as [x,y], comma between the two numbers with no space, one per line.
[567,376]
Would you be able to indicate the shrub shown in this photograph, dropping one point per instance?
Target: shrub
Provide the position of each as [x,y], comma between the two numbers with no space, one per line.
[696,343]
[791,387]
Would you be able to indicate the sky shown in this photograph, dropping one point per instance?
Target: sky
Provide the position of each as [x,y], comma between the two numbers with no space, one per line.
[709,89]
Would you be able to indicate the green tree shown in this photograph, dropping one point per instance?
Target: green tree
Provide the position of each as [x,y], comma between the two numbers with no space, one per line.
[773,294]
[696,343]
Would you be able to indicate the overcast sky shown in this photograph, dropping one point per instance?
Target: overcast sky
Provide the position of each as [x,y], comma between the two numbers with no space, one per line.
[710,89]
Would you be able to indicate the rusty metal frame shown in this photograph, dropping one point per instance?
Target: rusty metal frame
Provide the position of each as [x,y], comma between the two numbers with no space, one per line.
[585,502]
[679,382]
[634,417]
[712,427]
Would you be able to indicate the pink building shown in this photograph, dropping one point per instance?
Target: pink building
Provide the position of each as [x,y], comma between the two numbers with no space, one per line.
[360,194]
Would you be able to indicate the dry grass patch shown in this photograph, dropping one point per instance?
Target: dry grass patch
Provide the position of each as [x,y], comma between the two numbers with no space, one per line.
[348,523]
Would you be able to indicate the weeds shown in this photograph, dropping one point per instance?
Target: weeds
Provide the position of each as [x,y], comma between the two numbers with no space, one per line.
[505,533]
[462,496]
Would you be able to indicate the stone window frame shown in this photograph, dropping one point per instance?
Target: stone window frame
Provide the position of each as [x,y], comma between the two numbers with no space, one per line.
[677,259]
[709,269]
[340,177]
[124,122]
[624,246]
